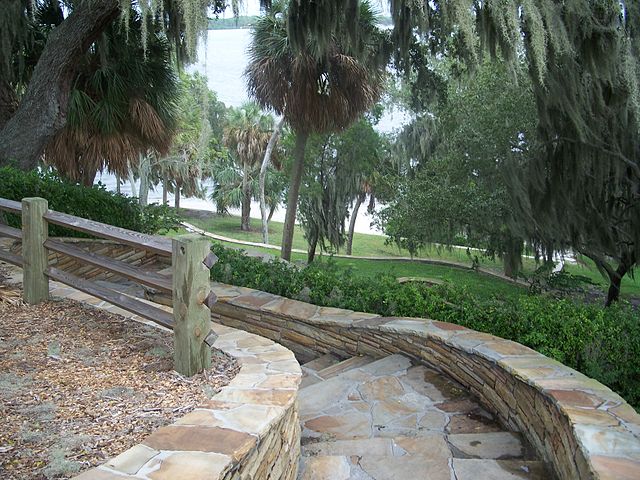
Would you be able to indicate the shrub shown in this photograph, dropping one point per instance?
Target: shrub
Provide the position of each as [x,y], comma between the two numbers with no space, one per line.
[603,343]
[94,203]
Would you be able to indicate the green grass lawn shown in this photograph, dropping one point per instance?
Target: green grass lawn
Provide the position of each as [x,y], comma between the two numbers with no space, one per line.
[367,245]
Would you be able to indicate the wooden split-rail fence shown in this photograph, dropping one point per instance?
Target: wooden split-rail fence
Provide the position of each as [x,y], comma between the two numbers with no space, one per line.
[191,259]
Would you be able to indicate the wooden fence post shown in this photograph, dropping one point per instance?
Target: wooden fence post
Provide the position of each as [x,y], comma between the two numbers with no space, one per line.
[34,233]
[192,317]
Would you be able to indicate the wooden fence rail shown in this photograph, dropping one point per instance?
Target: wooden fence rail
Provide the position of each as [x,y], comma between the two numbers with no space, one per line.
[189,285]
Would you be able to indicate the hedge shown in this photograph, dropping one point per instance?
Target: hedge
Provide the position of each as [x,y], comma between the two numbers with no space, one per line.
[95,203]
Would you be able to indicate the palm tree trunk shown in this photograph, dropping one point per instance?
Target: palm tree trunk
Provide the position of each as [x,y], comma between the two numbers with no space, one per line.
[132,180]
[292,199]
[263,176]
[176,198]
[352,221]
[145,165]
[118,182]
[272,210]
[165,190]
[245,220]
[89,176]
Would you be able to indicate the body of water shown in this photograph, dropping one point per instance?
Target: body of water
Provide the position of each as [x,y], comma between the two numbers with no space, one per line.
[223,59]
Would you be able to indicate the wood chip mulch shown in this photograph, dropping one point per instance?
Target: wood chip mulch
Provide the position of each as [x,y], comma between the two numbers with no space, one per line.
[79,385]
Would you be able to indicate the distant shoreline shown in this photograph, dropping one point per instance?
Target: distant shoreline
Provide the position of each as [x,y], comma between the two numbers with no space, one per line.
[235,23]
[244,22]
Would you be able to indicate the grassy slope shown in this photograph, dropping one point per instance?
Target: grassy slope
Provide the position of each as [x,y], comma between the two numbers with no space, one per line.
[374,245]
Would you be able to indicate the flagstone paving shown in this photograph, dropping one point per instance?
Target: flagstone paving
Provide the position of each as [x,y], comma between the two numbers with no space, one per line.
[388,419]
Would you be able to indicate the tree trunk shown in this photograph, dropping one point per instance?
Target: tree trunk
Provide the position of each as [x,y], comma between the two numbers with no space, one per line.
[292,198]
[143,168]
[176,198]
[132,181]
[263,175]
[88,176]
[165,182]
[311,253]
[43,110]
[272,210]
[245,219]
[352,221]
[118,181]
[615,279]
[512,257]
[8,102]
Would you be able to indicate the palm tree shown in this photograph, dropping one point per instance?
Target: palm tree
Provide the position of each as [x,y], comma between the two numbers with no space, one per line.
[246,136]
[121,107]
[316,93]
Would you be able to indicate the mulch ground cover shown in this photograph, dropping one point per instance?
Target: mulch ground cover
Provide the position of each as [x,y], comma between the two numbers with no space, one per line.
[79,385]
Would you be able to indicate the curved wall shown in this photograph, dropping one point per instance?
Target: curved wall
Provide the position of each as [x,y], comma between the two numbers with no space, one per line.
[581,428]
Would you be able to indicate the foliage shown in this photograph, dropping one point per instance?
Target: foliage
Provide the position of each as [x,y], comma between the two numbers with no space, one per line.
[316,95]
[228,191]
[583,189]
[602,343]
[561,283]
[455,185]
[198,141]
[94,203]
[122,105]
[582,60]
[247,132]
[339,168]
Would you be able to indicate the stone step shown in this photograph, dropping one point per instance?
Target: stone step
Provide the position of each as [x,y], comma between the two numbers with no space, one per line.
[310,369]
[434,446]
[321,362]
[344,366]
[376,467]
[474,469]
[490,445]
[309,379]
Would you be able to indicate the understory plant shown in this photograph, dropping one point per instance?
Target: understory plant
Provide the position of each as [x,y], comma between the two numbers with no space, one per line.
[94,203]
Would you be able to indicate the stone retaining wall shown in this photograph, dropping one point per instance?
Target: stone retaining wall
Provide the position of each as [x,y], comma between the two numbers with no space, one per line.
[248,431]
[581,428]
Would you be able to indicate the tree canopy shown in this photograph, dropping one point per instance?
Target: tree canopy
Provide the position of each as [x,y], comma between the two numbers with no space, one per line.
[456,191]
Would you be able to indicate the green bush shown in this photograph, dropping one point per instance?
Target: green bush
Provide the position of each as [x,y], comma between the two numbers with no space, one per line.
[603,343]
[94,203]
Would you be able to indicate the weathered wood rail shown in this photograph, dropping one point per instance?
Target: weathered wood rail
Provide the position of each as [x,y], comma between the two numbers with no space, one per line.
[189,286]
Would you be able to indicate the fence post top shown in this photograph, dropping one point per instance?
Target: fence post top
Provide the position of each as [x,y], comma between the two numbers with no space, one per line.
[190,238]
[34,200]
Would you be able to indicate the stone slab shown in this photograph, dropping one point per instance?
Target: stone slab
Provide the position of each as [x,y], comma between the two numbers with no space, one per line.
[472,469]
[132,460]
[192,466]
[325,468]
[492,445]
